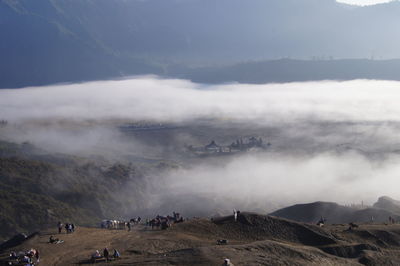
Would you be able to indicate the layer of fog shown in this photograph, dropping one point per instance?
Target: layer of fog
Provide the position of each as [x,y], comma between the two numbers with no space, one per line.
[266,182]
[179,100]
[332,141]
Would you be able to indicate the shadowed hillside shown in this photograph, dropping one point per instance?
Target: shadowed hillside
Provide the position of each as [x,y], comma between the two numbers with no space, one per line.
[66,41]
[334,213]
[388,204]
[37,190]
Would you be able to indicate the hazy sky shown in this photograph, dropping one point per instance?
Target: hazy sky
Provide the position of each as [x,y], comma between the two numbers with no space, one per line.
[363,2]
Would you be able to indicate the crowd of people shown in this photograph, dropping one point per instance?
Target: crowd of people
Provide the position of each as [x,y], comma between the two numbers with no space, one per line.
[106,255]
[164,222]
[28,258]
[32,256]
[69,227]
[159,221]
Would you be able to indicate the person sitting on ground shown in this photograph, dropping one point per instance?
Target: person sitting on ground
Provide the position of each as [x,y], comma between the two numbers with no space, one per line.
[13,255]
[106,254]
[53,240]
[227,262]
[116,254]
[96,255]
[26,259]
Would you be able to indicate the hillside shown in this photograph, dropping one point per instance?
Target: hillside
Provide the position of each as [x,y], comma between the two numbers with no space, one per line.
[290,70]
[388,204]
[66,41]
[334,213]
[252,240]
[39,190]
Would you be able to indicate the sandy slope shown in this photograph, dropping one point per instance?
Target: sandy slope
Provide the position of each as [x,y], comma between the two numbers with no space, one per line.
[253,240]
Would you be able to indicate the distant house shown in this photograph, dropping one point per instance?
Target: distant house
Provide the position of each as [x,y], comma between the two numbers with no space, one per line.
[212,147]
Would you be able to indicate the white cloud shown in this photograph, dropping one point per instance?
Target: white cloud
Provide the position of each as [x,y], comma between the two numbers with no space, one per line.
[177,100]
[363,2]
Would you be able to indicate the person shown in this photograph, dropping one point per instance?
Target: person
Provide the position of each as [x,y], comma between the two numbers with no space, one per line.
[106,254]
[60,226]
[235,214]
[52,239]
[37,256]
[129,226]
[27,259]
[96,254]
[67,228]
[13,255]
[72,228]
[116,254]
[321,222]
[227,262]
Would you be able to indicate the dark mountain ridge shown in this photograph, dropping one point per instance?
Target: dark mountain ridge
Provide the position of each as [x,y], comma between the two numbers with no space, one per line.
[49,41]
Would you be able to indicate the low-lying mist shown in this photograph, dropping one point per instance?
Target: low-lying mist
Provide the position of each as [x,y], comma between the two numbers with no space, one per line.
[265,182]
[331,141]
[150,98]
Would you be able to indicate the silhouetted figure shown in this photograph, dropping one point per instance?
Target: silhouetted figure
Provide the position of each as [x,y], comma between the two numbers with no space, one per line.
[106,254]
[37,256]
[116,254]
[321,222]
[59,226]
[352,226]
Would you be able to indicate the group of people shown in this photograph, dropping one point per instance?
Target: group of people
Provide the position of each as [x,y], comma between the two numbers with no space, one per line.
[28,258]
[164,222]
[106,255]
[391,220]
[69,227]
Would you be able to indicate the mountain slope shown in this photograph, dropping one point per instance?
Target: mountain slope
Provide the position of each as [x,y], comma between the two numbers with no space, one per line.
[37,191]
[333,213]
[60,41]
